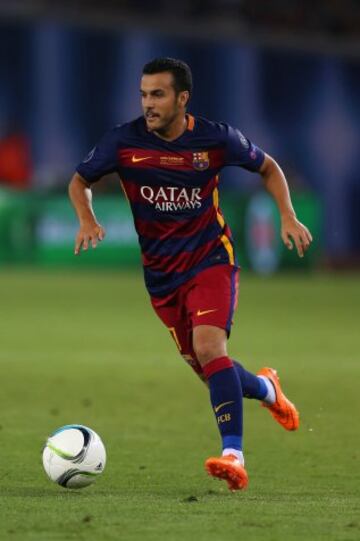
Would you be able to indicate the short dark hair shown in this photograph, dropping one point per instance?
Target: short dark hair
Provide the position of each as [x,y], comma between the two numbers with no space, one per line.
[180,71]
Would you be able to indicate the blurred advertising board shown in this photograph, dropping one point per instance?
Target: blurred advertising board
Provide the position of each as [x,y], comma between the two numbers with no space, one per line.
[255,223]
[42,230]
[17,218]
[57,225]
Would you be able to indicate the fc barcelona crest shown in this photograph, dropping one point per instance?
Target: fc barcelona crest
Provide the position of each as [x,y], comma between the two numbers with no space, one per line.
[201,160]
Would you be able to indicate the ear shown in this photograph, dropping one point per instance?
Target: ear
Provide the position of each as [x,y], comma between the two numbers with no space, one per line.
[184,97]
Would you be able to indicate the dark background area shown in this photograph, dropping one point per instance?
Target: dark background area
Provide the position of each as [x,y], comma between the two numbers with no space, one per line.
[286,74]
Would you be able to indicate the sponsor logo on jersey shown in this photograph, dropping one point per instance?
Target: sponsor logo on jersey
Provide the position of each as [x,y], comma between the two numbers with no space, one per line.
[201,160]
[171,160]
[172,198]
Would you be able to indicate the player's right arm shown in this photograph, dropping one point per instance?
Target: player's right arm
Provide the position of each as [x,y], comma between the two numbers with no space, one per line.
[90,231]
[100,161]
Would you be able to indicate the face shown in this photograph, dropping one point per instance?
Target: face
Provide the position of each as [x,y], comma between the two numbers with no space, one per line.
[161,105]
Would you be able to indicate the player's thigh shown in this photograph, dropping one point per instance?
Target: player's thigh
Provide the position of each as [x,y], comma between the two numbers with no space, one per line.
[211,304]
[176,320]
[213,298]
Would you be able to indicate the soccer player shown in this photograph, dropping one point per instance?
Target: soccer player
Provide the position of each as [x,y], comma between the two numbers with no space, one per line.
[169,164]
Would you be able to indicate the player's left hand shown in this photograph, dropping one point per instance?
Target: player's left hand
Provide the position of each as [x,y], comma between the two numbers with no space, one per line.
[294,231]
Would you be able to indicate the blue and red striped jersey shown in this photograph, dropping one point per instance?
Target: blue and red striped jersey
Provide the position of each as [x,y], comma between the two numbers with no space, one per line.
[172,189]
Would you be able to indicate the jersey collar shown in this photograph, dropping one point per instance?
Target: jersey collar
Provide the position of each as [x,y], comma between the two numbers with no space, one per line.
[190,122]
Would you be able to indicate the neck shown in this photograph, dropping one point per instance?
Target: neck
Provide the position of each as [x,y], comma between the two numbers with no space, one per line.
[173,130]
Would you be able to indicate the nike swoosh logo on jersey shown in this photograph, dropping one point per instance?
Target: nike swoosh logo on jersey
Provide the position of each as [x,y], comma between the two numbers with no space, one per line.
[134,159]
[217,408]
[203,312]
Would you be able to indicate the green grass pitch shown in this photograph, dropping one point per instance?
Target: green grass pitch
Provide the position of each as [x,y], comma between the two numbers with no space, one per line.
[85,347]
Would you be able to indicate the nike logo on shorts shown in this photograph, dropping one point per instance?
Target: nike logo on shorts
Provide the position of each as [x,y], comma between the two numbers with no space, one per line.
[203,312]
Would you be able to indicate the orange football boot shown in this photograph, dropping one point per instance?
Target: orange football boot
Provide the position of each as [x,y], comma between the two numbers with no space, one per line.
[228,468]
[283,411]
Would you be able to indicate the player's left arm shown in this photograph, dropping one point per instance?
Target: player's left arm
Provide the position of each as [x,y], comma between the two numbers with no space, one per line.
[291,229]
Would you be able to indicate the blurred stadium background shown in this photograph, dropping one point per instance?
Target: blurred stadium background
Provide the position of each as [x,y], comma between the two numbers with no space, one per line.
[288,76]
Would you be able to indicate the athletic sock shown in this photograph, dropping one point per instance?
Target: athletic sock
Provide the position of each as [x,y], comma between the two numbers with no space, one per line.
[270,397]
[258,387]
[234,452]
[226,399]
[252,386]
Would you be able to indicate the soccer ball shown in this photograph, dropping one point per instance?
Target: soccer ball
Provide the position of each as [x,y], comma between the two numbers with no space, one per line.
[74,456]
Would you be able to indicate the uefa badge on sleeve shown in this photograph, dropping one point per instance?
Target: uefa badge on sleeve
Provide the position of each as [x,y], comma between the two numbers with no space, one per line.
[201,160]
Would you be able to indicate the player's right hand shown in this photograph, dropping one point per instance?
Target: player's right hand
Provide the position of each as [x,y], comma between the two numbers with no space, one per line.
[89,234]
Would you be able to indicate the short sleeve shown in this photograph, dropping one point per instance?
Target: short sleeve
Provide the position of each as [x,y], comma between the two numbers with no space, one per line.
[241,151]
[101,160]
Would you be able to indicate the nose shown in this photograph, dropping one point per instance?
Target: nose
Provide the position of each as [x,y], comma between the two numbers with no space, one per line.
[147,102]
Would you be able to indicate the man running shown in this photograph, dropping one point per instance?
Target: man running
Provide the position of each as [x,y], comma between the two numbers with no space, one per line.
[169,164]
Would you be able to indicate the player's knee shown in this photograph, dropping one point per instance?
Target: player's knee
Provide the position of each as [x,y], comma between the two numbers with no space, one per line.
[208,350]
[203,352]
[209,343]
